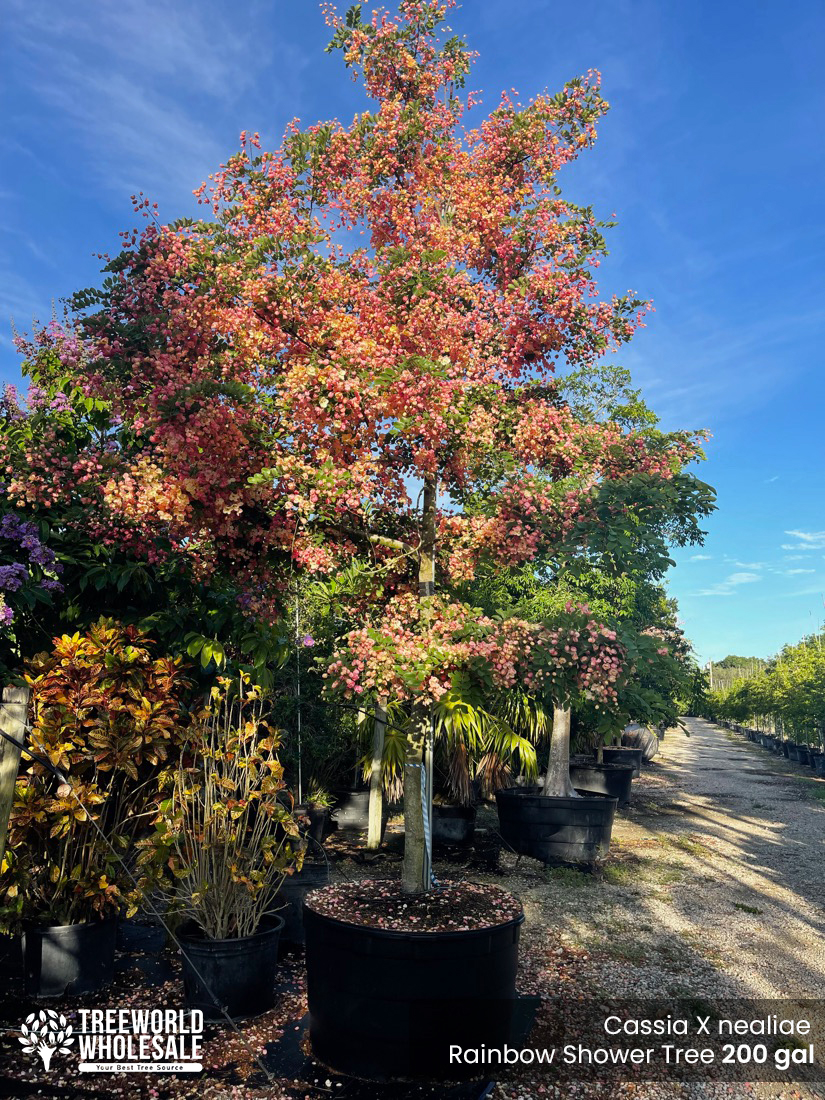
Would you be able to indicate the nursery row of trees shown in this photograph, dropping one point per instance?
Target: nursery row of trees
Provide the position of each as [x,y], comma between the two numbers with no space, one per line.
[397,478]
[787,696]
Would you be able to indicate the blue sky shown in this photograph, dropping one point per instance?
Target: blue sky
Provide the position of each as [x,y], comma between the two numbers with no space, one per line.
[711,159]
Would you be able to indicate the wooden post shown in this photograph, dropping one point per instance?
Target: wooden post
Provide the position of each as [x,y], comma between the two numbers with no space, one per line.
[12,722]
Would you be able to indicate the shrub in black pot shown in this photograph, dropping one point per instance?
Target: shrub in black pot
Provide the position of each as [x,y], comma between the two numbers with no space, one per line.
[229,842]
[109,714]
[314,815]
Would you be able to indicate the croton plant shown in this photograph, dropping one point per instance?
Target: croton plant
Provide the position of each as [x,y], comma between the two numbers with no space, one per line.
[109,716]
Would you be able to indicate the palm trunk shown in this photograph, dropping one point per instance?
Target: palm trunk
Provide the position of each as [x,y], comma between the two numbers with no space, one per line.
[379,730]
[415,872]
[557,781]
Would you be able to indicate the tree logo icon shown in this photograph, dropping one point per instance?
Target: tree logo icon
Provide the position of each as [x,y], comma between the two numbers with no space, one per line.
[44,1033]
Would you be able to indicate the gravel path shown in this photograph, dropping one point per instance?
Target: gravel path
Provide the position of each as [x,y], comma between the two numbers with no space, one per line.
[714,888]
[763,826]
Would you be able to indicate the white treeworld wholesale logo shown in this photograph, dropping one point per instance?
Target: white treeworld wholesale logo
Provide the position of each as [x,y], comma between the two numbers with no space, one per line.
[45,1033]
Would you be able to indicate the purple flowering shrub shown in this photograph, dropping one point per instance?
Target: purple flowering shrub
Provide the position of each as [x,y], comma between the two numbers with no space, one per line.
[29,570]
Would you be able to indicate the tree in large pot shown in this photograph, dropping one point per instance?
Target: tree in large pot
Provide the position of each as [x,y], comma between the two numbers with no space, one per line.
[222,844]
[316,402]
[108,716]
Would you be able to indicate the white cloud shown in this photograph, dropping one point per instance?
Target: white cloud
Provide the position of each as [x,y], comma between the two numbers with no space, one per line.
[808,540]
[728,586]
[700,557]
[768,480]
[795,572]
[153,95]
[750,564]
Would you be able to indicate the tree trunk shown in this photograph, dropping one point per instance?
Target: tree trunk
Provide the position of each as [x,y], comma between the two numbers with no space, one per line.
[12,722]
[379,729]
[415,878]
[415,872]
[557,781]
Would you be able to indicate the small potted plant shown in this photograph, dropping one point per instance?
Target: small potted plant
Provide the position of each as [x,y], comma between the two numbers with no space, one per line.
[107,714]
[222,845]
[316,810]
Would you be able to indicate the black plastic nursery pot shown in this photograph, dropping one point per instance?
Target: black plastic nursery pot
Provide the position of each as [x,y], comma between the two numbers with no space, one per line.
[352,812]
[556,830]
[793,752]
[453,824]
[819,763]
[625,756]
[803,754]
[319,821]
[236,976]
[386,1005]
[291,894]
[613,780]
[69,958]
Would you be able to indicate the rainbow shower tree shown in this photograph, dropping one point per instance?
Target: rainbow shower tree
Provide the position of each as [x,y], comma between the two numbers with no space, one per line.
[355,357]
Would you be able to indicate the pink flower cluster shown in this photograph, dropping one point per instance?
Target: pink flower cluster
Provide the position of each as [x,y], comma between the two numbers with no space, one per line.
[417,647]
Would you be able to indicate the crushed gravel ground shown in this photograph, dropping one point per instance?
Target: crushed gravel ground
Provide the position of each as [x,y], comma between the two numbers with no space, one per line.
[714,888]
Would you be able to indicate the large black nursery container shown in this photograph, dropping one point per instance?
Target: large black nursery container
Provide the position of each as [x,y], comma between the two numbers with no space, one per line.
[625,756]
[453,824]
[555,830]
[352,812]
[290,899]
[69,959]
[235,975]
[387,1005]
[613,780]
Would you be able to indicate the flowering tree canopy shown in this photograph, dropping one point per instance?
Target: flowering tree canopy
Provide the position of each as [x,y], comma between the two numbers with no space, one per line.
[354,356]
[372,308]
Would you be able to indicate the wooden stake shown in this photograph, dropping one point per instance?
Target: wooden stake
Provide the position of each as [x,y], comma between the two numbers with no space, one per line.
[12,722]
